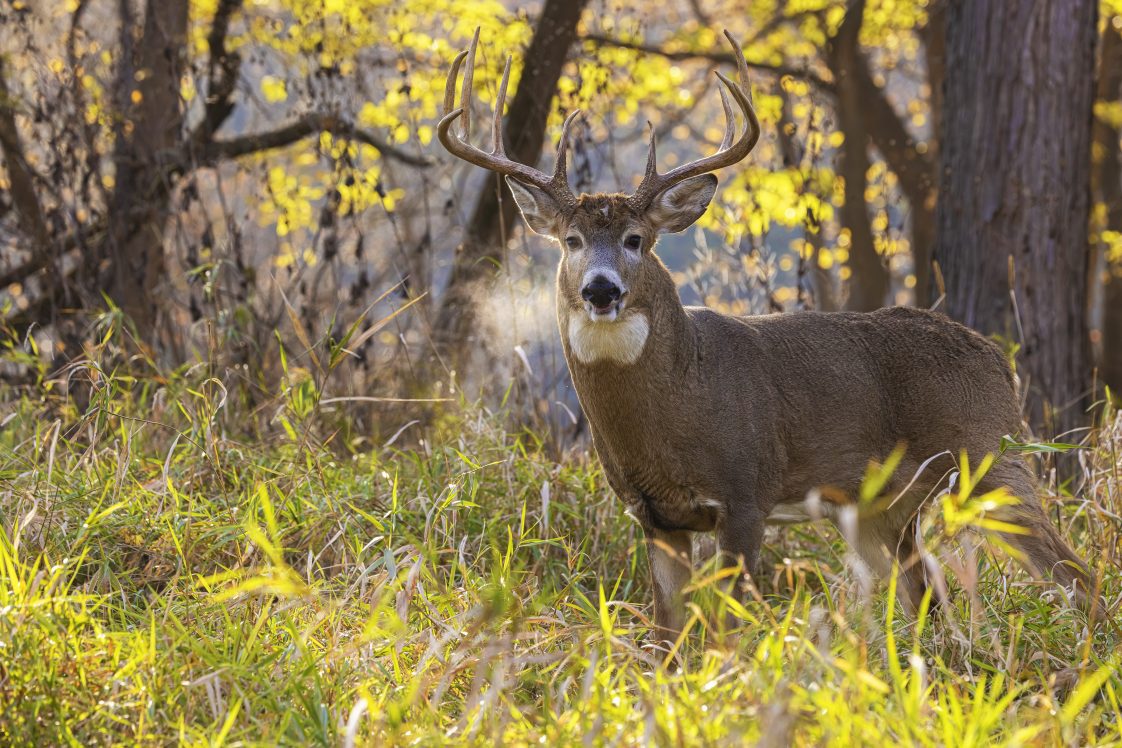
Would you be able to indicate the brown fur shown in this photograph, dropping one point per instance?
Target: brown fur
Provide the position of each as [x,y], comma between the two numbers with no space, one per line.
[723,419]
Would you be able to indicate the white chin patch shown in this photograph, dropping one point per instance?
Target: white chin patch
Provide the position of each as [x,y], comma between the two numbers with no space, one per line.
[608,316]
[607,338]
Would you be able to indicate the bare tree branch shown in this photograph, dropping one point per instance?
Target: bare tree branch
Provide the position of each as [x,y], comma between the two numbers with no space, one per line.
[71,36]
[721,58]
[822,280]
[309,124]
[222,70]
[699,13]
[778,20]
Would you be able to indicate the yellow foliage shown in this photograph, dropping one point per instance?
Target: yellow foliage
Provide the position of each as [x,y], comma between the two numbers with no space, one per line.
[1109,112]
[306,42]
[273,89]
[1112,245]
[187,88]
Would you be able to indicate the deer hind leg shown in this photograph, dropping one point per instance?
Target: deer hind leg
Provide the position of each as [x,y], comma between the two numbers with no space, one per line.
[1046,554]
[911,579]
[885,540]
[886,537]
[670,553]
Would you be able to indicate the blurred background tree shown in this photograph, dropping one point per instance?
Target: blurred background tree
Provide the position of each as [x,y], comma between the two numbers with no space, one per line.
[1012,217]
[235,177]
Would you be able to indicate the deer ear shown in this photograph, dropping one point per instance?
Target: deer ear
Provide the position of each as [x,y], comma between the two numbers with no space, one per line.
[539,209]
[678,206]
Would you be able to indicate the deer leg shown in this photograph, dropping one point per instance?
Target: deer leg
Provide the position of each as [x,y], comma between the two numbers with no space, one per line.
[911,583]
[671,566]
[740,536]
[886,539]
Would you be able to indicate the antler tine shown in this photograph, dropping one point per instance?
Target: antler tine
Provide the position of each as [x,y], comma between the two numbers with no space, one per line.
[728,153]
[497,161]
[561,166]
[652,155]
[450,84]
[465,92]
[741,64]
[730,121]
[497,146]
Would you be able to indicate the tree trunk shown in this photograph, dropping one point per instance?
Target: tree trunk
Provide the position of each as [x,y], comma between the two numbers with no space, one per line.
[24,198]
[935,60]
[1107,186]
[868,281]
[1013,202]
[152,129]
[482,251]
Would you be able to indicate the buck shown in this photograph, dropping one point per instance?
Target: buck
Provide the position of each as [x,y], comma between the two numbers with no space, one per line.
[705,422]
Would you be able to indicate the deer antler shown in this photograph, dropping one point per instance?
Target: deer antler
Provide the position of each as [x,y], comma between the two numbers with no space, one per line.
[557,185]
[728,153]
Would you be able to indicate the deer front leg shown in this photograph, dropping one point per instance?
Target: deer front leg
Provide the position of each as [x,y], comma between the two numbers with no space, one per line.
[739,539]
[668,552]
[671,566]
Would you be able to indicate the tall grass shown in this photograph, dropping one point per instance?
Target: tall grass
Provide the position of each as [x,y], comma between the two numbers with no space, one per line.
[176,567]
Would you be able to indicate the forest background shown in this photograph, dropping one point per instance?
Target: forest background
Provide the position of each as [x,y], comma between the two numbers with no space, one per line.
[289,448]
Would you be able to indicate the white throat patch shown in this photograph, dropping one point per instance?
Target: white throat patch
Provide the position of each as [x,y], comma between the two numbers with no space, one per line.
[621,341]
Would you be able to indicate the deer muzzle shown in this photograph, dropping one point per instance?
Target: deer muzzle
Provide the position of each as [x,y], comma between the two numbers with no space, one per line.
[602,296]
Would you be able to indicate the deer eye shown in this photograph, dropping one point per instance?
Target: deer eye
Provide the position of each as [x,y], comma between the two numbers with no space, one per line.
[572,242]
[633,241]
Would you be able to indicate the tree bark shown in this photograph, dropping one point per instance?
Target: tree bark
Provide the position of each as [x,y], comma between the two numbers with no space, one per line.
[492,218]
[868,281]
[1107,186]
[1013,200]
[151,131]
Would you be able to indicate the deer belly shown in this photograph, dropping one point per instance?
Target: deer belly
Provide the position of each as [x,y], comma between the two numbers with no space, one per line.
[681,512]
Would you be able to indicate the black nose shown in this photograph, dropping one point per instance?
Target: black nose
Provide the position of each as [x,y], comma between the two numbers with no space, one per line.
[600,292]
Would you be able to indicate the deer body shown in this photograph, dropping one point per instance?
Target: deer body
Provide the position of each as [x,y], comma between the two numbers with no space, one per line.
[709,423]
[727,423]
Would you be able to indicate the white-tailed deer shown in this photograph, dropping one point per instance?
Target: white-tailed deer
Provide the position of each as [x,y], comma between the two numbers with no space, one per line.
[705,422]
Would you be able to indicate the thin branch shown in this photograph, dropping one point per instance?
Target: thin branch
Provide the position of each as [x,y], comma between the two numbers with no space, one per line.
[309,124]
[778,20]
[721,58]
[222,70]
[699,13]
[915,169]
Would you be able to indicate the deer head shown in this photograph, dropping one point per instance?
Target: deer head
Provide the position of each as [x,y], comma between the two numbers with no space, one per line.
[607,265]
